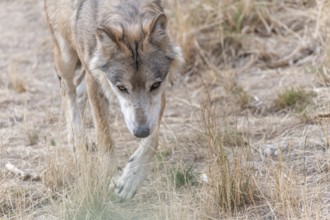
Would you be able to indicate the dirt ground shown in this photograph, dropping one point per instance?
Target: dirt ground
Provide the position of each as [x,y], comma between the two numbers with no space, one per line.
[31,123]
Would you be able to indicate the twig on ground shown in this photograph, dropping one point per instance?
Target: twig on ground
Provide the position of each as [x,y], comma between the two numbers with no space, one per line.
[25,176]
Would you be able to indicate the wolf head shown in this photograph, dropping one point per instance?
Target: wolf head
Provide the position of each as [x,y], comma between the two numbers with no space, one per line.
[137,59]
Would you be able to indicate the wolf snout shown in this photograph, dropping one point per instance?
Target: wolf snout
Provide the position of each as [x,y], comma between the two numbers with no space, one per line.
[141,131]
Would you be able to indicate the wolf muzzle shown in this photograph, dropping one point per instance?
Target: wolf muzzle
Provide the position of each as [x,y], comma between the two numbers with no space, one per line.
[141,132]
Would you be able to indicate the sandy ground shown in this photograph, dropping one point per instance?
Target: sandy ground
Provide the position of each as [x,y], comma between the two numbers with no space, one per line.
[31,123]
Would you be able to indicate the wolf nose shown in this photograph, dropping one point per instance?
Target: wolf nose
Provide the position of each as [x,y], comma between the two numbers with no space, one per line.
[141,132]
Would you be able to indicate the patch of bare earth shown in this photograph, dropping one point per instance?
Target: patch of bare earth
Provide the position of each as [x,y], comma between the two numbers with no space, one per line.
[222,119]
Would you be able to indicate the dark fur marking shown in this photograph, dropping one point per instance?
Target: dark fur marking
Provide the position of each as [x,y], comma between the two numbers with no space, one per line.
[59,77]
[105,67]
[134,50]
[115,79]
[119,169]
[120,189]
[134,193]
[131,159]
[136,55]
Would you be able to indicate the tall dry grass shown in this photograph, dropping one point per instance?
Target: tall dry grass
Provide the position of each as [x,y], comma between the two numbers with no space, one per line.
[222,34]
[231,175]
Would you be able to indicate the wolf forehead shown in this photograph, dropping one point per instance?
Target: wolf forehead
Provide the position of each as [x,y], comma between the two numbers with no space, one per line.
[141,49]
[130,22]
[153,67]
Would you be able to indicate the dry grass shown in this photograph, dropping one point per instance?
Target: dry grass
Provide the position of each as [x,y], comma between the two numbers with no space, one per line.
[80,180]
[258,165]
[14,72]
[243,33]
[231,178]
[33,137]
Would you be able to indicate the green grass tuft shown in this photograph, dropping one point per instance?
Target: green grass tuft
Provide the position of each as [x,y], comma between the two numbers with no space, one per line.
[185,176]
[293,100]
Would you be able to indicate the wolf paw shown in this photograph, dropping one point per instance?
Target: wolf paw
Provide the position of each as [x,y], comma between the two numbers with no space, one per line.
[126,186]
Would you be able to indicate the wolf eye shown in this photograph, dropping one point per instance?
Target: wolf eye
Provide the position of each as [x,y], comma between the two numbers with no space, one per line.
[155,86]
[122,88]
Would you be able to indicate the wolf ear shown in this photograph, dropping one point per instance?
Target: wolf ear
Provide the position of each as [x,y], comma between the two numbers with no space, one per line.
[109,36]
[158,29]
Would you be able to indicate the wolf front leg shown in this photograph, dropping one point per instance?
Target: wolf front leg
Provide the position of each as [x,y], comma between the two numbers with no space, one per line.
[137,167]
[100,109]
[139,163]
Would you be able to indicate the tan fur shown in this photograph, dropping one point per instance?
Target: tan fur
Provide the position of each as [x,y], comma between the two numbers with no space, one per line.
[123,47]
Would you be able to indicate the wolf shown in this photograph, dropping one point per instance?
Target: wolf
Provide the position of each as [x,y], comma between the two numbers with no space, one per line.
[124,48]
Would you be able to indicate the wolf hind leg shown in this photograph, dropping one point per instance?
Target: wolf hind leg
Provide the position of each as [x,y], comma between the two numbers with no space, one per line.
[81,91]
[65,61]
